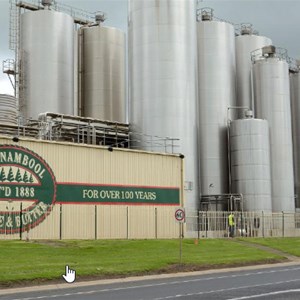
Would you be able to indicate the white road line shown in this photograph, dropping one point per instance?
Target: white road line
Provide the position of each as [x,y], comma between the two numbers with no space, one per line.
[266,294]
[229,289]
[160,284]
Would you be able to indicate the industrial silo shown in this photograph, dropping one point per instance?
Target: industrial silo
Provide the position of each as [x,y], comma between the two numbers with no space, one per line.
[272,102]
[102,72]
[295,104]
[250,163]
[246,42]
[162,81]
[216,93]
[46,62]
[8,109]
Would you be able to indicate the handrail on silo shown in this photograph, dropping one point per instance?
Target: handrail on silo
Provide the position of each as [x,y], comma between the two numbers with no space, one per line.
[245,29]
[207,14]
[269,51]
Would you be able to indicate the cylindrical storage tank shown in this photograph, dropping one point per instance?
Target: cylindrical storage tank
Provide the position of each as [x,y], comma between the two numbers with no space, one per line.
[272,102]
[162,68]
[103,90]
[245,43]
[47,63]
[250,163]
[295,104]
[8,109]
[216,92]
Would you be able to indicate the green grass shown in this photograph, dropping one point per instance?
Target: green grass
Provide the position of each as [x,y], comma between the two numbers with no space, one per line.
[288,245]
[22,260]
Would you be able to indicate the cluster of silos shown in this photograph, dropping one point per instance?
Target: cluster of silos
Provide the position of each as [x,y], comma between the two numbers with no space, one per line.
[272,102]
[250,160]
[216,93]
[162,80]
[69,70]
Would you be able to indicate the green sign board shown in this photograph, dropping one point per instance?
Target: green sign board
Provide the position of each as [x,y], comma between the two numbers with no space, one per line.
[114,194]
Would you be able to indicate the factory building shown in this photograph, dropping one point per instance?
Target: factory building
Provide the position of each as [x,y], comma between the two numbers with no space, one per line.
[198,115]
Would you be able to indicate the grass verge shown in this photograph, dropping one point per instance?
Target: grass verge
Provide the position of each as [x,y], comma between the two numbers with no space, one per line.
[46,260]
[288,245]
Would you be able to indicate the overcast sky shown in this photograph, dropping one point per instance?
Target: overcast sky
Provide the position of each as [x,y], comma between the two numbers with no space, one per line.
[279,20]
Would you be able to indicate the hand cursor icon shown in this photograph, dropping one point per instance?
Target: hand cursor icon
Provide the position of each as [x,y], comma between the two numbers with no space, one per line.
[70,275]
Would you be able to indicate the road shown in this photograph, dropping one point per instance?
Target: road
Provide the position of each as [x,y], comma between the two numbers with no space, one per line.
[257,283]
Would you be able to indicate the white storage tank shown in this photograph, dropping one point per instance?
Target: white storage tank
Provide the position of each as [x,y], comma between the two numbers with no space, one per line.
[162,80]
[246,42]
[47,63]
[216,92]
[102,72]
[272,102]
[295,104]
[8,109]
[250,163]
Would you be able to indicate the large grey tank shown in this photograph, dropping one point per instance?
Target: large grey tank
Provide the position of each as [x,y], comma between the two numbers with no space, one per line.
[250,163]
[216,92]
[103,73]
[246,42]
[272,102]
[162,68]
[8,109]
[295,104]
[47,63]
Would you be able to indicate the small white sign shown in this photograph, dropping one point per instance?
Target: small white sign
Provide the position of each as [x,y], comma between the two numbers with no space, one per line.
[180,215]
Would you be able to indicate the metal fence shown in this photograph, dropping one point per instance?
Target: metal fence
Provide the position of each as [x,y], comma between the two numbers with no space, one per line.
[214,224]
[40,221]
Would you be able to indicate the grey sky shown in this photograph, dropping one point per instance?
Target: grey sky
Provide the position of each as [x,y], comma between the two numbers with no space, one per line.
[278,20]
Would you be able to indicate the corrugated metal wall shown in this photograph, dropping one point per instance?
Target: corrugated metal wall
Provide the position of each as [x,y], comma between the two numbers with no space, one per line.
[73,163]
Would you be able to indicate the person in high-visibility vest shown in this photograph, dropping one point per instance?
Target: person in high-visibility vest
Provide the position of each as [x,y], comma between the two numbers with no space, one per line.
[231,224]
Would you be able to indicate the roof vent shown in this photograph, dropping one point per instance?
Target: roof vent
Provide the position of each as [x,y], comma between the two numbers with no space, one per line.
[268,50]
[207,14]
[47,3]
[246,29]
[100,17]
[248,114]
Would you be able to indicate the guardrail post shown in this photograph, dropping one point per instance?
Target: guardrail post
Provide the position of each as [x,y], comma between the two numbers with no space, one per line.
[60,221]
[21,222]
[96,222]
[127,221]
[263,223]
[282,224]
[156,222]
[198,223]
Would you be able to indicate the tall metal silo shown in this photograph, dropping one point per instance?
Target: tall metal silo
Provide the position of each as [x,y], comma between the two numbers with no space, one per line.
[295,104]
[246,42]
[46,63]
[102,72]
[250,163]
[162,78]
[216,92]
[8,109]
[272,102]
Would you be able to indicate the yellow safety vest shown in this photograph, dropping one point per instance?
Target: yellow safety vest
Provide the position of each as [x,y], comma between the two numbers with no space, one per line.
[231,220]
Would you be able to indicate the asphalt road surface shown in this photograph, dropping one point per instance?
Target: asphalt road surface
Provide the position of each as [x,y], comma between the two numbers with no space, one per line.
[268,283]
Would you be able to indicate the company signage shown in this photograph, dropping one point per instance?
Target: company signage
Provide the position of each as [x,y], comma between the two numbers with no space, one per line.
[28,190]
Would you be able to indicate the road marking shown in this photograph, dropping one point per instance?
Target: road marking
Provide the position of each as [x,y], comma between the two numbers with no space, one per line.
[226,290]
[160,284]
[266,294]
